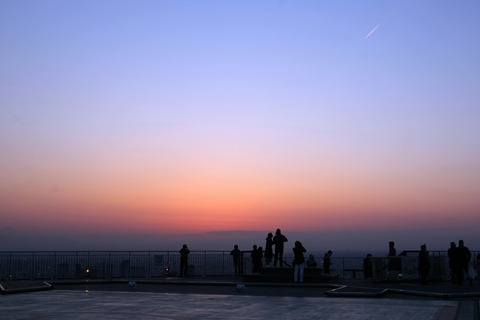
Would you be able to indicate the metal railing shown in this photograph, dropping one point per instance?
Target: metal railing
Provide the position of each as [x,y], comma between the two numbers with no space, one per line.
[108,265]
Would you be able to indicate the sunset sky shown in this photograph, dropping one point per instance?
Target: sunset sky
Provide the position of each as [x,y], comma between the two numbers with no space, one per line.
[146,124]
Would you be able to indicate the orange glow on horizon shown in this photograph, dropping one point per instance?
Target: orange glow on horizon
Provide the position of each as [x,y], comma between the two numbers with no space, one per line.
[217,198]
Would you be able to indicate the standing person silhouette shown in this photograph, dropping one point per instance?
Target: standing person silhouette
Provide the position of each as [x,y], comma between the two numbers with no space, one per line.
[237,260]
[368,266]
[423,264]
[184,252]
[327,262]
[298,261]
[256,255]
[269,248]
[463,260]
[392,252]
[452,261]
[279,240]
[394,262]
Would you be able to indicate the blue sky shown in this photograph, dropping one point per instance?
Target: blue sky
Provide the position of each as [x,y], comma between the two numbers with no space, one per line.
[206,116]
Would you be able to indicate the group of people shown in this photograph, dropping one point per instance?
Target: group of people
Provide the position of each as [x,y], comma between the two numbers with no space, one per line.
[459,258]
[257,253]
[459,261]
[300,263]
[274,249]
[278,240]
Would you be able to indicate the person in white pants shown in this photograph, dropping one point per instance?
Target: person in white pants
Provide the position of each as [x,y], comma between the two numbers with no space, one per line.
[298,261]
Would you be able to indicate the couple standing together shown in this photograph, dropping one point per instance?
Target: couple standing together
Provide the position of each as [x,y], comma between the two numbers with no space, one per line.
[279,241]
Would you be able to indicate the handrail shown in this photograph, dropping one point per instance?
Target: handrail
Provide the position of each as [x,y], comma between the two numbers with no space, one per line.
[119,264]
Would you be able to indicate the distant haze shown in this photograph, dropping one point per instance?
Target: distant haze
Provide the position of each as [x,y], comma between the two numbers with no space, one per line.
[344,241]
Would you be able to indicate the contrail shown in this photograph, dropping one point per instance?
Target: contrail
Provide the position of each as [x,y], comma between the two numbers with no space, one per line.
[373,30]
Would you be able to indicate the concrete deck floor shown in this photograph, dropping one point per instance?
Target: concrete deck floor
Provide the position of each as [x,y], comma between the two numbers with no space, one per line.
[206,298]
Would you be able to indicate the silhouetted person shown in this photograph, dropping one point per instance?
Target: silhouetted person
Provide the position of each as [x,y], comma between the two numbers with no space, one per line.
[392,252]
[368,267]
[327,261]
[260,257]
[269,248]
[298,261]
[253,256]
[184,252]
[463,258]
[311,263]
[423,264]
[237,260]
[256,256]
[394,262]
[452,261]
[279,240]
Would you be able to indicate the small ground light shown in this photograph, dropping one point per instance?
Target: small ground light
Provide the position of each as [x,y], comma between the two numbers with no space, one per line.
[166,271]
[87,273]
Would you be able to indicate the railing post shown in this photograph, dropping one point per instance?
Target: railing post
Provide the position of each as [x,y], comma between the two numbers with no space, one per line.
[54,272]
[32,271]
[149,268]
[110,267]
[76,263]
[9,274]
[167,264]
[204,263]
